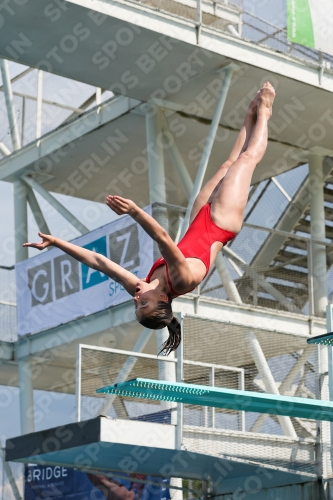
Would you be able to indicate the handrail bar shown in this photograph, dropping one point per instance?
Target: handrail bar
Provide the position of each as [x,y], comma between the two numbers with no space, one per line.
[288,235]
[212,365]
[160,358]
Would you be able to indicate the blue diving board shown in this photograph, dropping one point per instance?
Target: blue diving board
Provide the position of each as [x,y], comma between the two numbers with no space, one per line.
[325,339]
[222,398]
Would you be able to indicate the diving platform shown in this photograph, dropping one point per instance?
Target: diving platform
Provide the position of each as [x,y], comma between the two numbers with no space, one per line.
[117,446]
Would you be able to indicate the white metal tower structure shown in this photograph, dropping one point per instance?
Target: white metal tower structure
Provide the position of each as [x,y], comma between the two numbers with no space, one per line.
[178,77]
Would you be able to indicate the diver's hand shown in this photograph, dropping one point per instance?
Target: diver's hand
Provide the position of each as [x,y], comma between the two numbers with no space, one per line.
[121,205]
[47,240]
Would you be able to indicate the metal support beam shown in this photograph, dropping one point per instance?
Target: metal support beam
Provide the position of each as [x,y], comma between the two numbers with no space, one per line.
[83,108]
[4,150]
[317,213]
[281,189]
[39,109]
[293,372]
[119,409]
[176,158]
[228,71]
[157,191]
[166,372]
[26,395]
[24,105]
[227,282]
[156,175]
[267,378]
[98,96]
[52,103]
[256,277]
[310,277]
[20,221]
[37,213]
[55,204]
[18,77]
[7,87]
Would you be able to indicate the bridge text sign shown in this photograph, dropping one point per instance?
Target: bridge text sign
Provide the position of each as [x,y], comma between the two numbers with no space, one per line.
[54,288]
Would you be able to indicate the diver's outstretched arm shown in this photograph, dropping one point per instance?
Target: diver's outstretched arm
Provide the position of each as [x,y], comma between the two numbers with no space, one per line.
[91,259]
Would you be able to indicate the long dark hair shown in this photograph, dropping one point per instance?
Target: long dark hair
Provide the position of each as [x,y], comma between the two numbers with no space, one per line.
[163,317]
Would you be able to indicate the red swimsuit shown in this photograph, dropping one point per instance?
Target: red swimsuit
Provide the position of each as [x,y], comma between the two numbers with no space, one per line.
[197,242]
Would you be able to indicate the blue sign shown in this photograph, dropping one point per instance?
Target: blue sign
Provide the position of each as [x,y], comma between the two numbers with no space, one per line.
[90,277]
[43,482]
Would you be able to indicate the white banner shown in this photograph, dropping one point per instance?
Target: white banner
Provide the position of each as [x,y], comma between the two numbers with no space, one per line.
[310,23]
[54,288]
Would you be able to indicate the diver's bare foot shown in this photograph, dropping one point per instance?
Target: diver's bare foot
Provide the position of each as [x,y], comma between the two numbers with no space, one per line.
[266,99]
[253,106]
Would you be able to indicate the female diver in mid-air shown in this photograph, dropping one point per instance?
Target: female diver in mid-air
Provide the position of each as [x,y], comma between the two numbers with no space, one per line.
[182,267]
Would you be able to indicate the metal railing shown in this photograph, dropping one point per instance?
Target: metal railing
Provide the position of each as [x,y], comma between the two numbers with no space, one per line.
[44,108]
[232,18]
[221,14]
[263,32]
[146,365]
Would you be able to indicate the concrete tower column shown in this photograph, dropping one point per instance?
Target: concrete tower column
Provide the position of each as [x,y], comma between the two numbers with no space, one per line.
[317,213]
[157,193]
[155,155]
[20,220]
[21,253]
[7,87]
[26,396]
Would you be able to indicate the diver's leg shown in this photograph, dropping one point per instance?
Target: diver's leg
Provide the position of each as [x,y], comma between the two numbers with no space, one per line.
[230,200]
[208,191]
